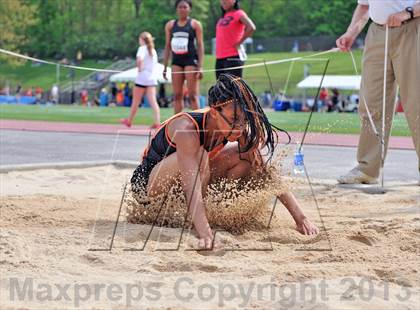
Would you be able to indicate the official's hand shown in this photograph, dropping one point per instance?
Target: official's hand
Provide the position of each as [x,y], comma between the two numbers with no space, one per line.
[345,42]
[164,74]
[397,19]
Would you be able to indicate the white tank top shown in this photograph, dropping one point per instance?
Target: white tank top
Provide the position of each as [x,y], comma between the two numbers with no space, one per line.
[148,75]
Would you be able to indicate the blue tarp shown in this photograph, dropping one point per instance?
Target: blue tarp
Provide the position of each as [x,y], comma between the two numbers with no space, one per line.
[15,100]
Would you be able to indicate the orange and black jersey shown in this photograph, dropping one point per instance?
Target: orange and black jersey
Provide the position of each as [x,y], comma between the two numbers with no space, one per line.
[161,146]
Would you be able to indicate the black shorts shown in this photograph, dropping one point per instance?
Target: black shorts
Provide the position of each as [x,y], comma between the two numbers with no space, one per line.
[229,62]
[140,178]
[184,62]
[144,86]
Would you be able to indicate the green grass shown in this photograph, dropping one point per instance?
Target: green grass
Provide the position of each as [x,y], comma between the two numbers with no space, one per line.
[321,122]
[340,63]
[44,75]
[257,78]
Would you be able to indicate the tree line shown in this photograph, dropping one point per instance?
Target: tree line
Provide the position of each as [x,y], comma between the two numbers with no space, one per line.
[109,28]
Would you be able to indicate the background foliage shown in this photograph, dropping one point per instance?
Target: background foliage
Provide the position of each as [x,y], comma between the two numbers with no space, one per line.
[109,28]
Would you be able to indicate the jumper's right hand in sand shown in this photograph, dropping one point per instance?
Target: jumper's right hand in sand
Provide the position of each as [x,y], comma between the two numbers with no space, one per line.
[345,42]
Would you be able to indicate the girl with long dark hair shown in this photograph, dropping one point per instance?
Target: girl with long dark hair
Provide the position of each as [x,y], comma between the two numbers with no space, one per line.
[221,142]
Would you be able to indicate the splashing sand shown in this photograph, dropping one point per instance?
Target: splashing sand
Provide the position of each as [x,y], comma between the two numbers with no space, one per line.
[232,205]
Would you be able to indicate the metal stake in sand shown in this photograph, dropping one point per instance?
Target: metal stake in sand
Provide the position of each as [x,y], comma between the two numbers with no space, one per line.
[300,147]
[115,225]
[315,105]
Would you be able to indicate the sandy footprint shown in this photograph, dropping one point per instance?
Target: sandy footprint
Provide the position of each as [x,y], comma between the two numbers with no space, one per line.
[363,238]
[186,267]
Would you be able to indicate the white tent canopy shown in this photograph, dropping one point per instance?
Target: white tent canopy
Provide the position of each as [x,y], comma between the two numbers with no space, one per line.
[349,82]
[130,75]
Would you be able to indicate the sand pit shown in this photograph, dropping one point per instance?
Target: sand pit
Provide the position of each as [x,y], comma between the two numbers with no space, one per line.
[51,218]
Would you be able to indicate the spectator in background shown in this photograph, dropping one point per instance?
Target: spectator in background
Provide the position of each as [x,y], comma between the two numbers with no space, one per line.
[95,101]
[267,99]
[324,98]
[84,97]
[399,108]
[73,97]
[119,97]
[181,34]
[354,98]
[335,100]
[260,48]
[18,89]
[7,90]
[146,80]
[79,57]
[127,95]
[103,98]
[114,91]
[54,94]
[38,94]
[29,92]
[232,29]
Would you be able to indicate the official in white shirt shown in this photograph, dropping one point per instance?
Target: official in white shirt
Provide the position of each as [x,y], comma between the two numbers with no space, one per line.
[403,71]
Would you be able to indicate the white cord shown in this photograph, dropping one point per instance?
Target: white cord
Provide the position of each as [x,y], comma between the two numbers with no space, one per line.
[375,130]
[283,97]
[183,72]
[55,63]
[384,106]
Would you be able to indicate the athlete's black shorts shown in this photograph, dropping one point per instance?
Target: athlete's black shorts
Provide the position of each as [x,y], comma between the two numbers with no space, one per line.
[185,61]
[140,178]
[144,86]
[229,62]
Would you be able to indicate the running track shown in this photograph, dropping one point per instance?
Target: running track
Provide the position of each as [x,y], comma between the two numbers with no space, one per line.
[404,143]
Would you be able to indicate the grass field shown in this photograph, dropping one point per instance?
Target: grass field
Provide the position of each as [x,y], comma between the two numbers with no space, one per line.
[340,63]
[257,78]
[43,75]
[321,122]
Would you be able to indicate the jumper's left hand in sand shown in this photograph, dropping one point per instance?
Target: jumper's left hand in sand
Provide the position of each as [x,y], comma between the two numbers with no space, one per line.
[306,227]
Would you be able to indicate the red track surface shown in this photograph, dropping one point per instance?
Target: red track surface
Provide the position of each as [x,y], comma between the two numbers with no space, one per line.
[405,143]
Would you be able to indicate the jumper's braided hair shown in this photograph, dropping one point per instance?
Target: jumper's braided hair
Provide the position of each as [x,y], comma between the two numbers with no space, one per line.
[233,89]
